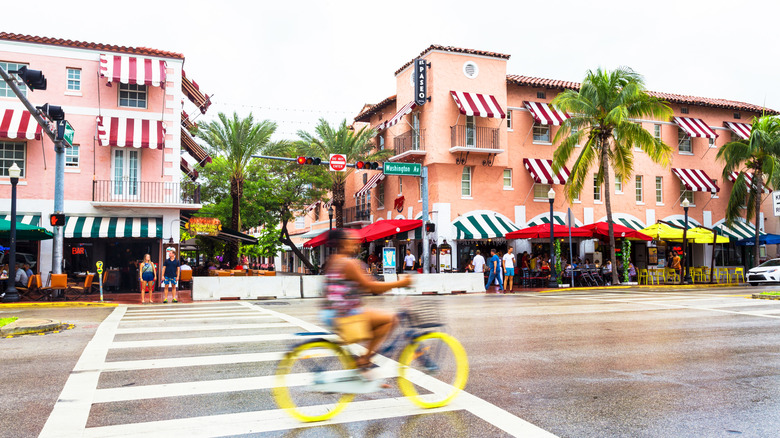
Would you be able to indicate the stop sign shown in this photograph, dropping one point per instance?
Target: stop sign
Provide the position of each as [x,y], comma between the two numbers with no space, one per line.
[338,163]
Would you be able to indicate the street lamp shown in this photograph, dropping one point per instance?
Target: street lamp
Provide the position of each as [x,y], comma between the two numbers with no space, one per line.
[687,277]
[553,275]
[11,294]
[330,215]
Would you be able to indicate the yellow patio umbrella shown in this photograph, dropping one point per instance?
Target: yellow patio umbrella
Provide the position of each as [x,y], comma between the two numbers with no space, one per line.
[704,236]
[661,231]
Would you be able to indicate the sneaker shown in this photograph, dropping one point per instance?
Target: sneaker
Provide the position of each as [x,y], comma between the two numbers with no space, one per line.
[165,301]
[175,300]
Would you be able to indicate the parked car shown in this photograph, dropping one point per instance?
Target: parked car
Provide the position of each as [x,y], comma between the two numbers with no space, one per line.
[21,258]
[767,272]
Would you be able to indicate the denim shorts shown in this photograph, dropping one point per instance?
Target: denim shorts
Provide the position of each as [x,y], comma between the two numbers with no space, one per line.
[328,315]
[510,272]
[169,281]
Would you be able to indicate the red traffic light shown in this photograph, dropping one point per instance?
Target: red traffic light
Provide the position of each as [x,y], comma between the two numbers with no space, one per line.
[360,165]
[301,160]
[57,220]
[316,161]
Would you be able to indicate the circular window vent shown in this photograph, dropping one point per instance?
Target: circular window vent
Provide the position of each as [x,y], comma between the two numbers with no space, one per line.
[470,69]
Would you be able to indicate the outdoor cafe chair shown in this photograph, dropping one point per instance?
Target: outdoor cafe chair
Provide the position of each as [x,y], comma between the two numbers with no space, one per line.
[33,289]
[80,291]
[738,272]
[57,282]
[185,276]
[697,274]
[670,275]
[643,275]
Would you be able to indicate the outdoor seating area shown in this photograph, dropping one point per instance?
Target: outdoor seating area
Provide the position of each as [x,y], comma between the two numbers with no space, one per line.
[239,273]
[699,274]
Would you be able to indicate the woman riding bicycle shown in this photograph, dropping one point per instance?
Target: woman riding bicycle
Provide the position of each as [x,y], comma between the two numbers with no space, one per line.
[345,281]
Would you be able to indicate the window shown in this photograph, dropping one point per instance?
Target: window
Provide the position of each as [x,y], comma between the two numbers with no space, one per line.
[132,95]
[509,120]
[465,182]
[659,190]
[711,142]
[74,79]
[639,196]
[5,90]
[618,186]
[684,110]
[471,131]
[300,222]
[540,191]
[596,188]
[684,141]
[541,133]
[735,137]
[11,153]
[416,131]
[380,194]
[737,115]
[687,194]
[400,186]
[72,156]
[381,141]
[317,212]
[365,178]
[126,171]
[657,131]
[541,95]
[507,178]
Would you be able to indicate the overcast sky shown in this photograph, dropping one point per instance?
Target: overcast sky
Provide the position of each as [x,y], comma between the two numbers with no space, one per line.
[296,61]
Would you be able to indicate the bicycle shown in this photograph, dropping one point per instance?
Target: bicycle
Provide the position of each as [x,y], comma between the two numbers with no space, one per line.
[318,378]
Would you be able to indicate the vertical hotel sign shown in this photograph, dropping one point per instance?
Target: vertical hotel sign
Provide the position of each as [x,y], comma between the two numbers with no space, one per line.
[420,79]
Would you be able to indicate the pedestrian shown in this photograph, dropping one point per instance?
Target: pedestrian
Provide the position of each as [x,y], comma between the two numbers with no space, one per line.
[509,261]
[409,261]
[494,266]
[147,275]
[524,259]
[631,271]
[21,276]
[676,265]
[28,270]
[479,262]
[171,272]
[607,271]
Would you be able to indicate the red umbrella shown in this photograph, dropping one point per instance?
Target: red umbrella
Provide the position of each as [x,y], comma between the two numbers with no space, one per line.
[543,231]
[316,241]
[389,227]
[602,229]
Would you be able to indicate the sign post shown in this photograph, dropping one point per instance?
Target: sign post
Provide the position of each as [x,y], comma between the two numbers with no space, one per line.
[100,278]
[65,132]
[337,163]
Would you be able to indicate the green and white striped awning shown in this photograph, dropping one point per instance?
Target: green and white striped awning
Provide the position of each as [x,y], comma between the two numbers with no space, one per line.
[28,219]
[96,226]
[558,220]
[487,225]
[738,230]
[630,223]
[680,222]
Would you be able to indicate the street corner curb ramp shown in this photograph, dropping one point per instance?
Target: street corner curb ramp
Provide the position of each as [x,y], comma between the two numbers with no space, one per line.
[26,326]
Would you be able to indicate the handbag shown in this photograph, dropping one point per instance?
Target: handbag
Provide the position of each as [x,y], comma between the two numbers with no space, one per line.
[354,328]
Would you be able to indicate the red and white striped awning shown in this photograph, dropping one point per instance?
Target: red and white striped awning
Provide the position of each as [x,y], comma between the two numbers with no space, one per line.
[748,179]
[190,145]
[406,109]
[370,184]
[480,105]
[115,131]
[311,206]
[132,69]
[696,180]
[741,129]
[545,114]
[17,123]
[695,127]
[542,173]
[188,169]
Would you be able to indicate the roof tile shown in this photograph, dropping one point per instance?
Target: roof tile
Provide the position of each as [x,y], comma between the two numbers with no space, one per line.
[454,50]
[86,45]
[366,114]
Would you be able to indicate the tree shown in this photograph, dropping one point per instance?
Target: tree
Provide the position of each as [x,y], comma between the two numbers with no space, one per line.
[759,155]
[355,146]
[236,140]
[602,114]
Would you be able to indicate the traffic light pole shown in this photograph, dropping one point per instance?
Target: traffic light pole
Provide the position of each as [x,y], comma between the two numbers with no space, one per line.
[426,249]
[59,169]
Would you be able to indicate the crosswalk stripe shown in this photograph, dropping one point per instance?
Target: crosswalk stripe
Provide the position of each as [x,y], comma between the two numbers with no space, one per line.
[207,340]
[194,315]
[146,320]
[178,308]
[191,361]
[136,330]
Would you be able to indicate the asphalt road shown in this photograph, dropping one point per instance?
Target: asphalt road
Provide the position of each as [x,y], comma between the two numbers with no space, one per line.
[574,364]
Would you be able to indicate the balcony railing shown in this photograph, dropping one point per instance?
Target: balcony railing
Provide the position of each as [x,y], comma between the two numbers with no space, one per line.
[474,137]
[356,214]
[145,192]
[410,141]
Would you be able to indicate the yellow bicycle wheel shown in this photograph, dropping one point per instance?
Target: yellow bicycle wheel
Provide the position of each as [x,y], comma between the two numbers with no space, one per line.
[298,374]
[434,368]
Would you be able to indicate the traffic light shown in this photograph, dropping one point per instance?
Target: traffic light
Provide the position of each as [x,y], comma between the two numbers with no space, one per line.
[34,79]
[368,165]
[316,161]
[57,220]
[52,112]
[430,228]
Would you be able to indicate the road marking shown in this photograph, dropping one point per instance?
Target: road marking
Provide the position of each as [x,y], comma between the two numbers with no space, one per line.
[146,320]
[269,325]
[178,308]
[191,361]
[678,306]
[205,340]
[191,316]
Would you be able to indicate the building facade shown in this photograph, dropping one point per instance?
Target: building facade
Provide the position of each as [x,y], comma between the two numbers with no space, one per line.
[124,186]
[486,137]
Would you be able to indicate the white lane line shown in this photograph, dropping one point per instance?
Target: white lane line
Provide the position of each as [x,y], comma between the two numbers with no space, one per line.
[207,340]
[70,413]
[269,325]
[191,361]
[177,308]
[190,316]
[147,320]
[677,306]
[184,312]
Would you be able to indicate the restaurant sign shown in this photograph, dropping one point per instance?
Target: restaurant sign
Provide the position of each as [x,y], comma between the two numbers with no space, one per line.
[204,226]
[420,79]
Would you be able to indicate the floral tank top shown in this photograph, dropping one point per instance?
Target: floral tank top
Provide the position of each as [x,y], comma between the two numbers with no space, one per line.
[341,294]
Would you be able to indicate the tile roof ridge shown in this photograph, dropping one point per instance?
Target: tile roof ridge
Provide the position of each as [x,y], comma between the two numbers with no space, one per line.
[8,36]
[454,49]
[369,110]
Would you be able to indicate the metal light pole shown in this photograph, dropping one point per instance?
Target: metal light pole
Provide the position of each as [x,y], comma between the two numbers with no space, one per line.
[687,275]
[553,275]
[11,295]
[330,216]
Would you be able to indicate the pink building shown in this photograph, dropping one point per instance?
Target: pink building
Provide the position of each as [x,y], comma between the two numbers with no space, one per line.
[123,177]
[486,138]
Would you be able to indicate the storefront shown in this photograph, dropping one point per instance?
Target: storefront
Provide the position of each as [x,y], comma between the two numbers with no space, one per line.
[480,230]
[25,246]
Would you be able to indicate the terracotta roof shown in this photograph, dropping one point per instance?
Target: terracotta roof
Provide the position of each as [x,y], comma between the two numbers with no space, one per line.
[370,110]
[669,97]
[454,50]
[85,45]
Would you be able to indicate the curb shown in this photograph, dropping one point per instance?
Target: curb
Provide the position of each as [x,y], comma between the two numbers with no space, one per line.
[766,297]
[26,326]
[59,304]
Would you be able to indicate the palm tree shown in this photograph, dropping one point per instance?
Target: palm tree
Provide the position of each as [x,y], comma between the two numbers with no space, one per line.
[354,145]
[236,140]
[759,155]
[603,112]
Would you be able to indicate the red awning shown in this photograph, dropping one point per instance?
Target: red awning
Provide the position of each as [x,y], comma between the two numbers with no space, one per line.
[192,91]
[543,231]
[545,114]
[132,69]
[542,173]
[138,133]
[695,127]
[741,129]
[316,241]
[190,145]
[602,229]
[480,105]
[748,179]
[406,109]
[372,182]
[188,169]
[19,124]
[696,180]
[386,228]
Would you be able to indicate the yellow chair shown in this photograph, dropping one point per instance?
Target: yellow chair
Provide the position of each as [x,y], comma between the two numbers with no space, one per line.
[706,274]
[697,274]
[721,273]
[670,275]
[738,272]
[643,275]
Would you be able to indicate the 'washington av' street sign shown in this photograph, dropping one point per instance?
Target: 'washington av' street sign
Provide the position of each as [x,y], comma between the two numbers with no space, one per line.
[402,169]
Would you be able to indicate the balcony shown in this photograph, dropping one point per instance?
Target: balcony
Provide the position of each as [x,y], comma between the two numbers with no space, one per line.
[157,194]
[409,146]
[474,139]
[356,216]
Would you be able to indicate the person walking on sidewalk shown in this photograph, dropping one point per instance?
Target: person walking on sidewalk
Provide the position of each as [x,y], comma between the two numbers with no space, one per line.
[171,275]
[147,274]
[509,261]
[494,265]
[478,262]
[409,261]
